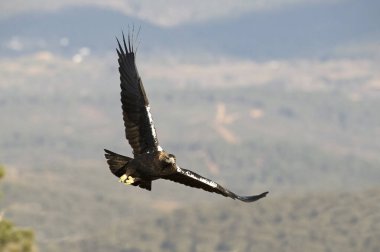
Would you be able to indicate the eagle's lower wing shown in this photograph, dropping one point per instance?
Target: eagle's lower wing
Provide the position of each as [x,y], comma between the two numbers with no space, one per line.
[193,179]
[139,128]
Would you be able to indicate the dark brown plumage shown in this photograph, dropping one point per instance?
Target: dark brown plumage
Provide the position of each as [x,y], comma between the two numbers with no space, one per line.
[150,161]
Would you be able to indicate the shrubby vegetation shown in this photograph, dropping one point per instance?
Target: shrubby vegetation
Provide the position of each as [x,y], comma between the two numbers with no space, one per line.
[13,239]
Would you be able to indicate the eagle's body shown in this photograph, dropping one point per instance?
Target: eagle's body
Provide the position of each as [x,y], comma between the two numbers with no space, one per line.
[143,168]
[150,161]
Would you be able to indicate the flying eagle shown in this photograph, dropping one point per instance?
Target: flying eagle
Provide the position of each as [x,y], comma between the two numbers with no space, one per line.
[150,161]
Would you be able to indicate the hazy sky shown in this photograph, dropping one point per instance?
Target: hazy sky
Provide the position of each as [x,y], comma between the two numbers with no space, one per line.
[160,12]
[352,54]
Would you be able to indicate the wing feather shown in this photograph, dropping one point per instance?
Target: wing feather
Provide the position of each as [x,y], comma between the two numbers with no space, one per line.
[189,178]
[139,128]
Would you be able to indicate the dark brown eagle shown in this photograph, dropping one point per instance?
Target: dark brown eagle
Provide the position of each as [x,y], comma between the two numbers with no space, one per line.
[150,161]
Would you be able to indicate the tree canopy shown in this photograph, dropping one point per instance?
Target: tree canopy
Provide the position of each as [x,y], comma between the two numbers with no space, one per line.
[13,239]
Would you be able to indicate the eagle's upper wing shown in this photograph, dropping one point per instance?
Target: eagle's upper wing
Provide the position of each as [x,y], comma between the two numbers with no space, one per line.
[192,179]
[139,128]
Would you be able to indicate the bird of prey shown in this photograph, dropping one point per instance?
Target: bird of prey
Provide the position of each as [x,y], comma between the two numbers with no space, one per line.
[150,161]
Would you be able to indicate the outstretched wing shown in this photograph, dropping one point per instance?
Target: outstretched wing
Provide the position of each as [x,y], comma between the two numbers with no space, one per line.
[193,179]
[139,128]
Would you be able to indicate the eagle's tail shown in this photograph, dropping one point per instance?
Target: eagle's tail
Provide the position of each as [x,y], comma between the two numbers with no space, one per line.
[117,163]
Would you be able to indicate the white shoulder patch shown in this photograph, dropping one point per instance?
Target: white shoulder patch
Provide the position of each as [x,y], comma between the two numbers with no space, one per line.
[201,179]
[179,169]
[153,130]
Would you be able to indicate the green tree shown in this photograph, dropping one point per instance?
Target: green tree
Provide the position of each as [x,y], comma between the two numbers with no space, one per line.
[1,172]
[13,239]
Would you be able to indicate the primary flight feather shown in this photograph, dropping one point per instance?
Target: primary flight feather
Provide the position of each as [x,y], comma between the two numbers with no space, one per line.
[150,161]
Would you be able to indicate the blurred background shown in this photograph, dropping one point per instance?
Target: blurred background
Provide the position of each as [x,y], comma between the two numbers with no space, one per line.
[258,95]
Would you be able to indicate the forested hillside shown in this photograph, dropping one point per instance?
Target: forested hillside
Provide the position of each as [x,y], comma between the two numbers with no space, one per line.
[307,222]
[303,147]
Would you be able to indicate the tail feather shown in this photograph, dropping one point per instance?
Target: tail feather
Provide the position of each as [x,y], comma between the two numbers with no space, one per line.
[116,162]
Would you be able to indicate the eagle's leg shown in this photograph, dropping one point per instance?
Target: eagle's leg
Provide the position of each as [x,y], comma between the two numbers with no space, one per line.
[128,180]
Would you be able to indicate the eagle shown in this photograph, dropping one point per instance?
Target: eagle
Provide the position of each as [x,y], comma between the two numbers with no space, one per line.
[150,161]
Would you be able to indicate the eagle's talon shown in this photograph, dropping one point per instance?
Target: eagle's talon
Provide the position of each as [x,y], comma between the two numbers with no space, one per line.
[123,178]
[127,179]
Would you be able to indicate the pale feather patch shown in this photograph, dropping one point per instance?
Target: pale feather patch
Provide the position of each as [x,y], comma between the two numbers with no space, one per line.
[153,130]
[203,180]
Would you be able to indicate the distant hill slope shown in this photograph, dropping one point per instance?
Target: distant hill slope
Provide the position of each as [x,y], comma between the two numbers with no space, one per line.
[58,182]
[303,222]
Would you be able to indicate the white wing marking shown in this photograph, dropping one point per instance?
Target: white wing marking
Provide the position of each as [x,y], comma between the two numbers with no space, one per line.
[153,130]
[203,180]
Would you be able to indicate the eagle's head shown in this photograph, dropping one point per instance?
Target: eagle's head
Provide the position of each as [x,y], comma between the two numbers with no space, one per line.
[170,159]
[167,160]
